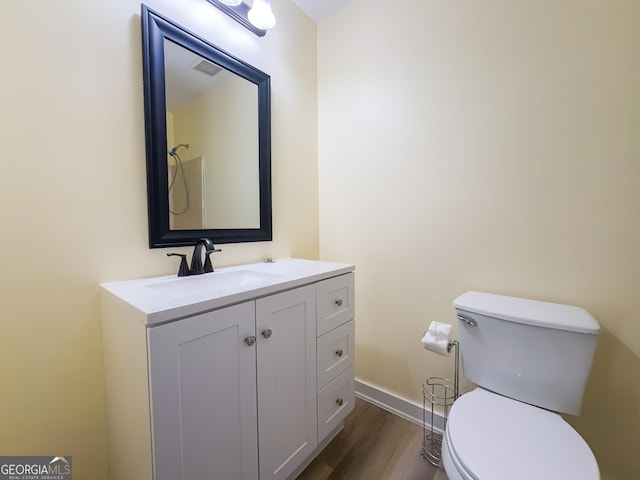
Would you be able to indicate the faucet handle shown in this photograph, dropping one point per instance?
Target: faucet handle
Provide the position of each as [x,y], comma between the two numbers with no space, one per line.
[183,271]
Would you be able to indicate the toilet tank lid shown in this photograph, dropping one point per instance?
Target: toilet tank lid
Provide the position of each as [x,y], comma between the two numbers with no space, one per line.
[529,312]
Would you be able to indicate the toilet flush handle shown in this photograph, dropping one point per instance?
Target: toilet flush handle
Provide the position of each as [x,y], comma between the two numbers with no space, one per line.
[468,320]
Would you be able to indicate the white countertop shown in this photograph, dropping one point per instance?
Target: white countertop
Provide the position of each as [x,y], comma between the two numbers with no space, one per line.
[161,299]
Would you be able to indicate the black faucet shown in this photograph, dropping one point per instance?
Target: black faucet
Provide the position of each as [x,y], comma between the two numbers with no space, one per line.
[196,259]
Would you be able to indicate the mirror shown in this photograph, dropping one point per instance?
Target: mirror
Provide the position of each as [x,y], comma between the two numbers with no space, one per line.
[208,140]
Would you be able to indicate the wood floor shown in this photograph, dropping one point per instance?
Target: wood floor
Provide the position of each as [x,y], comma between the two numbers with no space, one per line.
[374,445]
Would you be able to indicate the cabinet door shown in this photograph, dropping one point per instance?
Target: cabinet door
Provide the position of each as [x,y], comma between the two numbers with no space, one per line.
[287,420]
[203,396]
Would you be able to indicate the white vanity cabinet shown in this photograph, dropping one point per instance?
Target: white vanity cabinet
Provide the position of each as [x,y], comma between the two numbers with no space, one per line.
[239,387]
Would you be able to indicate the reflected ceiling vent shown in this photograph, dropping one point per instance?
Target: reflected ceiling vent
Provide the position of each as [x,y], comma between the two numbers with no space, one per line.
[205,66]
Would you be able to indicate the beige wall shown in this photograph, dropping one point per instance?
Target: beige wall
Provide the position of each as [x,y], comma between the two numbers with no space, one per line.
[492,146]
[73,194]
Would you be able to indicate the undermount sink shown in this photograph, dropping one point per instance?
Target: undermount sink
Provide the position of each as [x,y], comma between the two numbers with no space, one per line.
[209,283]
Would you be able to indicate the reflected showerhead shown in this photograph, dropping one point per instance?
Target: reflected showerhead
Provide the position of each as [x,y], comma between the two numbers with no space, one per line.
[173,151]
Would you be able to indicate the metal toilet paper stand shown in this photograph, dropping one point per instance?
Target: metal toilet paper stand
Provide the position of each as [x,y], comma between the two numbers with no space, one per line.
[438,393]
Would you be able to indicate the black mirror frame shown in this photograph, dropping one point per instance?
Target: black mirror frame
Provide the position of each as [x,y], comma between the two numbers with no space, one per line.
[155,29]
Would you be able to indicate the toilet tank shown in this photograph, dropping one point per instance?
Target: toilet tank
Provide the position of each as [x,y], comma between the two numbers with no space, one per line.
[535,352]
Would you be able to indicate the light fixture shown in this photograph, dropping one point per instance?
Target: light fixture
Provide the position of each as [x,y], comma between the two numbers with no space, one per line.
[257,18]
[261,15]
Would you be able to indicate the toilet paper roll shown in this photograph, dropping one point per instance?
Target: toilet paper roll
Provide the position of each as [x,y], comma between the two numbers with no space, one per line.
[439,329]
[436,339]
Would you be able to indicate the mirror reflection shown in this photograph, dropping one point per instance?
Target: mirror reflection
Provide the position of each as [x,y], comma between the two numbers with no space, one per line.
[212,141]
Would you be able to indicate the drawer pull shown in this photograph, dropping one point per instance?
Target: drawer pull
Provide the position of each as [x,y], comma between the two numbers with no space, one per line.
[339,402]
[267,333]
[251,341]
[339,352]
[339,302]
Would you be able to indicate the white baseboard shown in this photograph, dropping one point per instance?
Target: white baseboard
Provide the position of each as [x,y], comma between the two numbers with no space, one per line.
[398,405]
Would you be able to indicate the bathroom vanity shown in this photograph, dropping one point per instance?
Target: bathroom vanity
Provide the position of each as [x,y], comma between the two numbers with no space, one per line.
[243,373]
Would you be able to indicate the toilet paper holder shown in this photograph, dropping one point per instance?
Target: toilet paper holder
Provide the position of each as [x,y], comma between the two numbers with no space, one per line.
[438,396]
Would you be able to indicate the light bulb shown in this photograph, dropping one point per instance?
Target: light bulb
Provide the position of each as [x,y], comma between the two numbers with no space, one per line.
[231,3]
[261,15]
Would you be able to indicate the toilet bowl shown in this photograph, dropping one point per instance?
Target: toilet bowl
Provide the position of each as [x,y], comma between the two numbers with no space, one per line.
[491,437]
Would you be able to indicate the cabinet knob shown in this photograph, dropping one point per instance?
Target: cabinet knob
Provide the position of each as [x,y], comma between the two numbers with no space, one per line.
[339,302]
[251,341]
[267,333]
[339,352]
[339,402]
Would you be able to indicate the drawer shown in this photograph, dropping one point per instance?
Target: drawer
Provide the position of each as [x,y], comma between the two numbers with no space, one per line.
[335,352]
[334,302]
[335,401]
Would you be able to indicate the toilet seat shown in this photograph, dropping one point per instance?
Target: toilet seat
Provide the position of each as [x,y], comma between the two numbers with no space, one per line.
[491,437]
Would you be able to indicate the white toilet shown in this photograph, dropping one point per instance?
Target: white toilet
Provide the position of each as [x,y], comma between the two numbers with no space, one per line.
[529,359]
